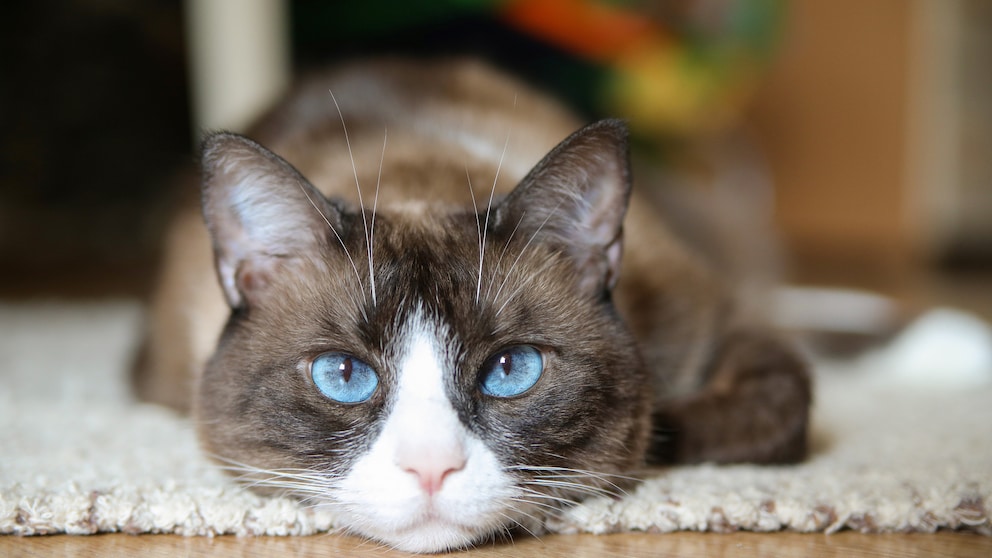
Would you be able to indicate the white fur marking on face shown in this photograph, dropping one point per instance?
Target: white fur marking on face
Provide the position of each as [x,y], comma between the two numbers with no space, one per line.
[431,445]
[427,483]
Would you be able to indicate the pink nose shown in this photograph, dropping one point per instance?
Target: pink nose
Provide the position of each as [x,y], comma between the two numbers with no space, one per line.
[433,470]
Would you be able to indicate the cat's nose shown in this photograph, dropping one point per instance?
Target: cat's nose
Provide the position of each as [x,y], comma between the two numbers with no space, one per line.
[432,468]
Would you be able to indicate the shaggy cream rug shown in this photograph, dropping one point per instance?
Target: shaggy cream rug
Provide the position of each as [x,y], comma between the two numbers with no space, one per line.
[902,441]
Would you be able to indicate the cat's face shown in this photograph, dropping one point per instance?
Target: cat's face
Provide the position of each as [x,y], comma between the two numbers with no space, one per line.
[465,375]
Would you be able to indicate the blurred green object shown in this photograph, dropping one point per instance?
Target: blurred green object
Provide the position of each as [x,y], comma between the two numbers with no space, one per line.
[675,68]
[699,82]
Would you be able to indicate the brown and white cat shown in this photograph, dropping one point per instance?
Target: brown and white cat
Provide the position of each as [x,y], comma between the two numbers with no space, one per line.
[453,317]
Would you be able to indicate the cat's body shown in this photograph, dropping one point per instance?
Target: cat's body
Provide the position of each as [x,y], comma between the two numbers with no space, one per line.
[440,370]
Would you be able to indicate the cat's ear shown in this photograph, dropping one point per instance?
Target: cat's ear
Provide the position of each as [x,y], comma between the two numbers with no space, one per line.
[576,199]
[261,212]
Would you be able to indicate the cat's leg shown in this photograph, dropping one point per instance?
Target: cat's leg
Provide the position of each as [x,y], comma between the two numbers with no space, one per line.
[752,406]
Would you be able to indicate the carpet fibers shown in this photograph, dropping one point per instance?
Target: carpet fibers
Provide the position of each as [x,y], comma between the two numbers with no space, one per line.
[891,451]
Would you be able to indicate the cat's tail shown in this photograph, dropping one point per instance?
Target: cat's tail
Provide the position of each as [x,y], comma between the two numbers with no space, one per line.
[938,347]
[838,322]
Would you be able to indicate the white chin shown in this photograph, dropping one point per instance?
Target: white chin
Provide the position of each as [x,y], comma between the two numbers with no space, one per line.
[430,536]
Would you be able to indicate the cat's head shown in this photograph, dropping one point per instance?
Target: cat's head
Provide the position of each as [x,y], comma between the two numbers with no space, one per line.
[436,377]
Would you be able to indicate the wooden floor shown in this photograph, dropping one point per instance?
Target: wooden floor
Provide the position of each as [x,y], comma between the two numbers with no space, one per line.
[683,545]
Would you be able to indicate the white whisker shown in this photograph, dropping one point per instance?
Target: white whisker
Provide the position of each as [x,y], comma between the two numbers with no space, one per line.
[520,524]
[375,206]
[503,529]
[573,486]
[489,208]
[533,492]
[567,471]
[565,478]
[543,505]
[509,272]
[337,236]
[531,278]
[358,187]
[309,486]
[478,226]
[506,246]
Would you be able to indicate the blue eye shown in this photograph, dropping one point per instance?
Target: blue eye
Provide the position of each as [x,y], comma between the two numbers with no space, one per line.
[511,371]
[343,378]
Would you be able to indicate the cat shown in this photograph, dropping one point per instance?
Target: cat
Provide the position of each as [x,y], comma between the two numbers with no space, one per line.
[438,307]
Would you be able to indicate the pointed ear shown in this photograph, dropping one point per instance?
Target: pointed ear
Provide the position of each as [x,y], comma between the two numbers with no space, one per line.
[576,199]
[262,215]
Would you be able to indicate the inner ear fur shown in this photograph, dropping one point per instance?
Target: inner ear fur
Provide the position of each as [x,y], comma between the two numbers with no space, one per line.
[262,215]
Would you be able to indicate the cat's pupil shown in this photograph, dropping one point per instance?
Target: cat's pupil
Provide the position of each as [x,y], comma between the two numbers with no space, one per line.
[346,369]
[506,363]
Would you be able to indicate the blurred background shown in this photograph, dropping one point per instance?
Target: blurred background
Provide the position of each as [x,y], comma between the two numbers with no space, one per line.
[864,129]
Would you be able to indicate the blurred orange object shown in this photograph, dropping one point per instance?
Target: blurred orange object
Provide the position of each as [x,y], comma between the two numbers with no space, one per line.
[591,29]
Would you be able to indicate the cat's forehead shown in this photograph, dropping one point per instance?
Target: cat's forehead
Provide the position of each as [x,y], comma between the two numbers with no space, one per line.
[413,216]
[480,283]
[421,242]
